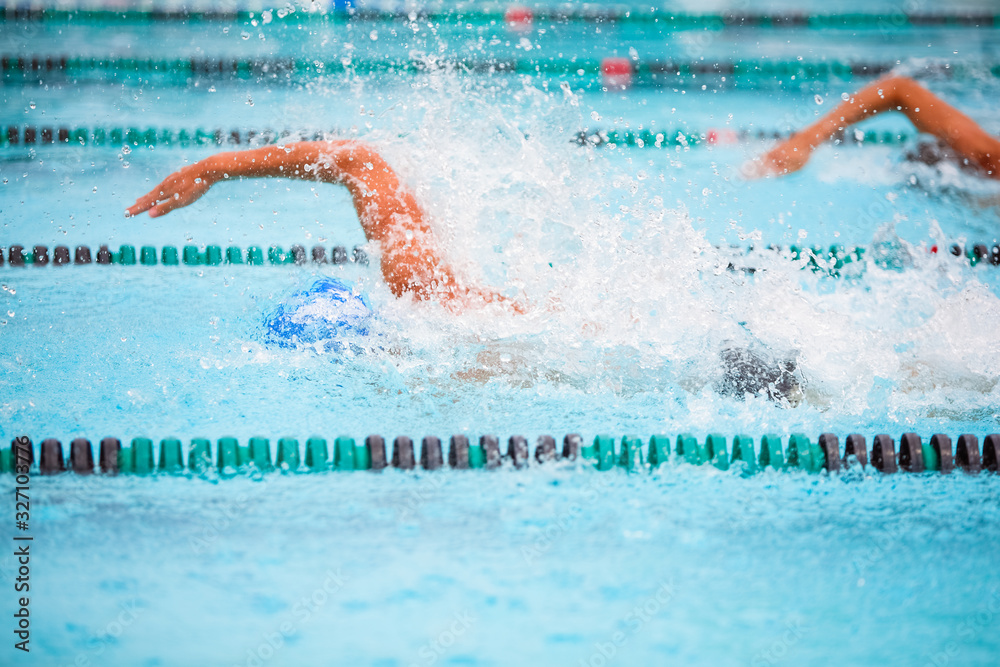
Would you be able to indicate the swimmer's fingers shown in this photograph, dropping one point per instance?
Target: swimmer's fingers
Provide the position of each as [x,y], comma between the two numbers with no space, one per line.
[788,156]
[164,192]
[181,196]
[145,202]
[177,190]
[751,170]
[766,166]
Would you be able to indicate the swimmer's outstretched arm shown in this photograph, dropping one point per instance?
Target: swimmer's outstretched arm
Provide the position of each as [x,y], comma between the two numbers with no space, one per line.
[925,110]
[387,210]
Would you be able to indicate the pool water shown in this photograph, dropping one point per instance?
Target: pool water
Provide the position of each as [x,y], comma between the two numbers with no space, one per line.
[615,248]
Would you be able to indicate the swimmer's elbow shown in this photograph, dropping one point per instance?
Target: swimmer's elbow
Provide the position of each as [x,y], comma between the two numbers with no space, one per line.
[901,88]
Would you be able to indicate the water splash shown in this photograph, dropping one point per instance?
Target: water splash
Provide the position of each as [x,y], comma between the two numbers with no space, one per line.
[626,292]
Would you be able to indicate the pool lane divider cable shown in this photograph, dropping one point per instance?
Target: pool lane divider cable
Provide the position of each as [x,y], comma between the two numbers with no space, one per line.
[837,260]
[116,137]
[508,14]
[914,454]
[33,69]
[189,255]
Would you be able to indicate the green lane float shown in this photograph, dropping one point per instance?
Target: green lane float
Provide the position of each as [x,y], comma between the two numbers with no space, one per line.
[631,457]
[743,452]
[659,450]
[344,454]
[771,454]
[715,446]
[171,459]
[916,455]
[288,454]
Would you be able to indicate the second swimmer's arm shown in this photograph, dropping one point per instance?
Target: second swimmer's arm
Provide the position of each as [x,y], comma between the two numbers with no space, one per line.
[925,110]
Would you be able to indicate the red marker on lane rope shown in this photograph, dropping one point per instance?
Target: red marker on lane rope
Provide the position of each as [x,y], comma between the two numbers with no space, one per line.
[616,72]
[519,18]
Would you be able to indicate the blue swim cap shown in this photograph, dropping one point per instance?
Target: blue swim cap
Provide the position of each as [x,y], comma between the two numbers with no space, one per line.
[328,313]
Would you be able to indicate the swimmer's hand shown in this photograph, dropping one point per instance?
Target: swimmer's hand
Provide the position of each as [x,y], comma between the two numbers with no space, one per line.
[180,188]
[788,156]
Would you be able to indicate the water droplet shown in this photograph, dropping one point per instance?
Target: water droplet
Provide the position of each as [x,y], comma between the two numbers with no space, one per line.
[31,104]
[10,313]
[95,188]
[245,35]
[250,100]
[845,96]
[595,116]
[819,99]
[373,35]
[126,150]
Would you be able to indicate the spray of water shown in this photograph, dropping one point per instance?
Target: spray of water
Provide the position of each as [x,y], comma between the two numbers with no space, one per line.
[625,292]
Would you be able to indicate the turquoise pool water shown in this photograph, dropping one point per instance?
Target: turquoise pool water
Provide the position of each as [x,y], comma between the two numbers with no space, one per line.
[615,247]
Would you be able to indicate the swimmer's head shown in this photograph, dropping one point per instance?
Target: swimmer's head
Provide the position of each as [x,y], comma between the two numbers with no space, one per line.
[328,316]
[931,153]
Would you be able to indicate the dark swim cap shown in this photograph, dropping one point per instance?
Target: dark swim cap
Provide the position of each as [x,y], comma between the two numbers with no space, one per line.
[329,313]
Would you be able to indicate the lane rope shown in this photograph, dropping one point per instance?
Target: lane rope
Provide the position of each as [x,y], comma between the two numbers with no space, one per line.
[631,453]
[189,255]
[642,16]
[37,68]
[116,137]
[836,260]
